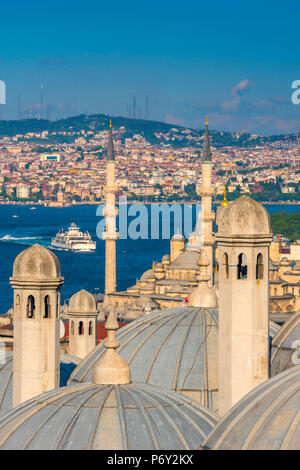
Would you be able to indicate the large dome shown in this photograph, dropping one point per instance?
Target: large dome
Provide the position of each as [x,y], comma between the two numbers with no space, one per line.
[67,365]
[97,417]
[36,263]
[284,345]
[176,349]
[244,216]
[267,418]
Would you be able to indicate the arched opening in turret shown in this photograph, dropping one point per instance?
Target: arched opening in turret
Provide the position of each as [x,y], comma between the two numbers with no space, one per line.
[226,266]
[30,308]
[90,328]
[242,269]
[17,306]
[47,306]
[72,328]
[259,267]
[80,328]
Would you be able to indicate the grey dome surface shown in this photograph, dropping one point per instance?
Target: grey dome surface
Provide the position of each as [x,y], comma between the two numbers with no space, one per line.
[67,365]
[175,349]
[89,416]
[36,263]
[282,345]
[267,418]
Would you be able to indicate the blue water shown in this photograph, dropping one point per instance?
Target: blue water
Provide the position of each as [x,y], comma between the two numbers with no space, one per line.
[80,270]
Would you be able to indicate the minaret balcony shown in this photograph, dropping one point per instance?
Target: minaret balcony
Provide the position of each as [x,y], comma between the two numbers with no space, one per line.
[110,188]
[110,235]
[206,191]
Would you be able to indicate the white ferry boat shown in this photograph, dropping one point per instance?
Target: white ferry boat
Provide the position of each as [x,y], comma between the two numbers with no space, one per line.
[73,240]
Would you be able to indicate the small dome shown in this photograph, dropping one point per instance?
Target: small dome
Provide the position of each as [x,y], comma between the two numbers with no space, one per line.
[186,260]
[67,365]
[107,417]
[203,296]
[166,258]
[267,418]
[178,236]
[244,216]
[284,345]
[82,302]
[36,263]
[147,276]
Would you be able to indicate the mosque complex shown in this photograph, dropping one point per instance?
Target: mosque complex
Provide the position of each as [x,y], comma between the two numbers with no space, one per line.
[200,365]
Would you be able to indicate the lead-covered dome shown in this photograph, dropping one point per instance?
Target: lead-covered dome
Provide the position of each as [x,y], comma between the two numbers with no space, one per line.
[244,216]
[284,345]
[115,417]
[176,349]
[67,365]
[267,418]
[36,263]
[82,302]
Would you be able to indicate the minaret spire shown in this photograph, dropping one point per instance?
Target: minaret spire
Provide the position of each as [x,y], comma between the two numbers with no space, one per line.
[206,192]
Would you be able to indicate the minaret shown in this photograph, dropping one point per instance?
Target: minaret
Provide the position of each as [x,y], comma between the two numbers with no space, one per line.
[243,240]
[36,281]
[206,192]
[82,323]
[110,235]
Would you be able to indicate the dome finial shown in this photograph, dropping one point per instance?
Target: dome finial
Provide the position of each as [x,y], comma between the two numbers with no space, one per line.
[111,368]
[203,295]
[225,202]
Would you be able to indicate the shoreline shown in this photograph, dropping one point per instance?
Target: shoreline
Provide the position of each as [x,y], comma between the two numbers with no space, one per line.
[98,203]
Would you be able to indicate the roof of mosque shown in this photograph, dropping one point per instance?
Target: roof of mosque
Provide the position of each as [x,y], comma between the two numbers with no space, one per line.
[186,260]
[89,416]
[266,418]
[283,346]
[67,365]
[172,348]
[36,263]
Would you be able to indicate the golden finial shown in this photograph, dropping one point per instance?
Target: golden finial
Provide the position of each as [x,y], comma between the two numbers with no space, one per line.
[110,123]
[206,121]
[225,202]
[153,264]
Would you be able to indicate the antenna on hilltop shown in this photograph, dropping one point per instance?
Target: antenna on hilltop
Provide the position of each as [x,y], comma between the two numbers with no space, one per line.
[134,107]
[42,100]
[19,106]
[147,108]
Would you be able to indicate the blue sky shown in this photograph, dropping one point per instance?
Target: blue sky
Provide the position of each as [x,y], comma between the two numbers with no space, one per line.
[232,60]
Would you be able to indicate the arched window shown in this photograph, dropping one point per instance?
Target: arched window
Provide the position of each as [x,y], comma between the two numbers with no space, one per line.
[275,291]
[226,266]
[80,328]
[90,328]
[47,306]
[242,266]
[30,310]
[259,267]
[72,327]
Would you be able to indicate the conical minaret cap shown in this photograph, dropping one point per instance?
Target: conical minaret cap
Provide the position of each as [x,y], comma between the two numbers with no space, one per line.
[206,152]
[111,369]
[110,146]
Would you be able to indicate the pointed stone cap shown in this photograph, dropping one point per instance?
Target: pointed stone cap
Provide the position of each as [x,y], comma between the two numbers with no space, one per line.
[206,152]
[111,369]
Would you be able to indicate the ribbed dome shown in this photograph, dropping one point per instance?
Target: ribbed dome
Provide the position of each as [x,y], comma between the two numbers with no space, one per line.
[175,349]
[148,275]
[186,260]
[244,216]
[282,345]
[267,418]
[98,417]
[82,302]
[67,365]
[36,263]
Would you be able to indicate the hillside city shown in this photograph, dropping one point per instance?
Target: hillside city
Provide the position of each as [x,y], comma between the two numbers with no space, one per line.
[57,167]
